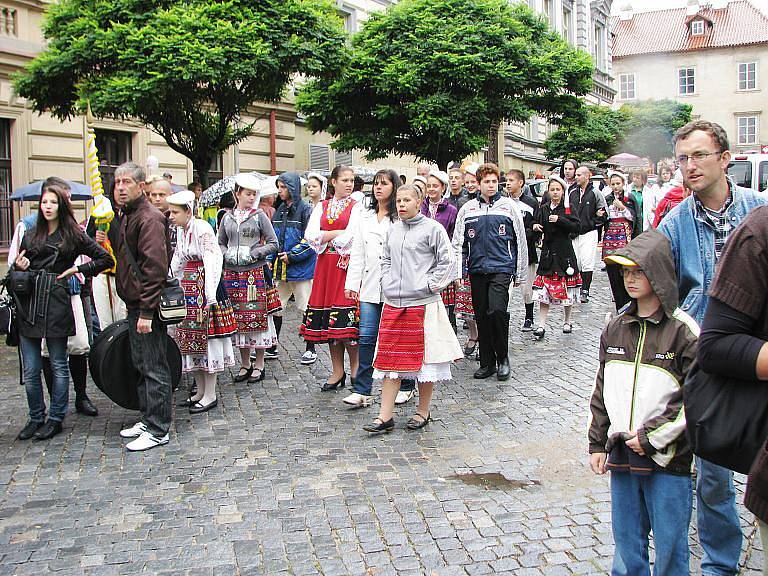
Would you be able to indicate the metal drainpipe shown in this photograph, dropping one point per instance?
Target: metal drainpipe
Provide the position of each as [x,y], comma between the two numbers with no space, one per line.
[273,142]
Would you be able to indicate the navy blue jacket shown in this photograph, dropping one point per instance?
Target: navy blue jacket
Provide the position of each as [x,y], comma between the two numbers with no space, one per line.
[290,223]
[491,235]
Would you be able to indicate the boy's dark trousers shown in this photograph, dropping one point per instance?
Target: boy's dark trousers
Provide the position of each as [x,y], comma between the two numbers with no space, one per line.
[490,298]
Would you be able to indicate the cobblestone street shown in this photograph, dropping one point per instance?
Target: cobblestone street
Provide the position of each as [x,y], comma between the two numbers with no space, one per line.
[281,479]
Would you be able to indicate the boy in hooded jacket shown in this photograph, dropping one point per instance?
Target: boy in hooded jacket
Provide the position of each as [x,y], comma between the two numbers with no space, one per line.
[637,422]
[293,266]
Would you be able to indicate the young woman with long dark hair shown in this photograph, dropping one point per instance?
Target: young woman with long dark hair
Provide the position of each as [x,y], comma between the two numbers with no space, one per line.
[43,296]
[331,316]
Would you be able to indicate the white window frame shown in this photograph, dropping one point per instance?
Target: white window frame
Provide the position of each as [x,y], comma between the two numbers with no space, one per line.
[600,46]
[679,85]
[624,82]
[698,27]
[746,87]
[349,14]
[755,137]
[567,26]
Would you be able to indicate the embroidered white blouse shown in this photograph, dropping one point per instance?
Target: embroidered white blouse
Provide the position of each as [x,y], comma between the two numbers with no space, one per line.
[197,241]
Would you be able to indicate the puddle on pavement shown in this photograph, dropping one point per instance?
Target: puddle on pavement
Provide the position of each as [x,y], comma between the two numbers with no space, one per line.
[492,481]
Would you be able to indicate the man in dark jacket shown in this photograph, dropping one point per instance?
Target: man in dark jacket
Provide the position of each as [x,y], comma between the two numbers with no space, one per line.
[590,208]
[294,264]
[143,256]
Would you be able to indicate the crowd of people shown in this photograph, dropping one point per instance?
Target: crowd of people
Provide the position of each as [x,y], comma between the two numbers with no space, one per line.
[387,281]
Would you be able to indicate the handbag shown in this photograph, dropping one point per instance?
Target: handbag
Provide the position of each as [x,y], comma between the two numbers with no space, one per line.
[173,305]
[21,282]
[726,418]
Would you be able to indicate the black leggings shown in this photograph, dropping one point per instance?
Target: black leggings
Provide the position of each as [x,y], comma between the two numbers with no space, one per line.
[616,279]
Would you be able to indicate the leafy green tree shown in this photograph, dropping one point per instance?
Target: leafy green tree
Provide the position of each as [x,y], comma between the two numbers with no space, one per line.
[430,77]
[651,125]
[188,69]
[592,137]
[642,128]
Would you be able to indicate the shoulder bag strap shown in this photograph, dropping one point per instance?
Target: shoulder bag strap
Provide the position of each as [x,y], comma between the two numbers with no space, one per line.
[132,262]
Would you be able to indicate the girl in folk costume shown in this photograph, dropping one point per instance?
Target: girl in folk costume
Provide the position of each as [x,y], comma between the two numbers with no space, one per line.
[557,277]
[623,225]
[246,238]
[331,316]
[415,336]
[443,212]
[363,282]
[204,335]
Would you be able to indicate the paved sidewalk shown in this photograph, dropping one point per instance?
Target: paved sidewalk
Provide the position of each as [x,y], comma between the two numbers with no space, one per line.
[281,479]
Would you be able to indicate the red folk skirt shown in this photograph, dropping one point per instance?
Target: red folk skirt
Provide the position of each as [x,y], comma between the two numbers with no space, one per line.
[618,234]
[253,298]
[202,321]
[330,315]
[401,339]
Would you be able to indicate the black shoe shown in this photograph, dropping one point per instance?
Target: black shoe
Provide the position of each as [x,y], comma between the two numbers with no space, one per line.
[584,296]
[259,378]
[186,403]
[244,376]
[377,426]
[48,430]
[29,430]
[503,371]
[84,406]
[328,386]
[271,353]
[538,334]
[198,408]
[527,325]
[418,421]
[484,372]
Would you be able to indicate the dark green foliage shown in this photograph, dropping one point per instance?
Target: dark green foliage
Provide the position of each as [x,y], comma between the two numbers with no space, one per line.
[429,77]
[187,69]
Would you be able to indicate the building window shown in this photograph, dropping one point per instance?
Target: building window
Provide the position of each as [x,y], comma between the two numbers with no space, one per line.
[627,86]
[747,126]
[319,157]
[113,149]
[6,209]
[349,15]
[567,24]
[748,76]
[599,51]
[549,12]
[686,81]
[697,28]
[532,128]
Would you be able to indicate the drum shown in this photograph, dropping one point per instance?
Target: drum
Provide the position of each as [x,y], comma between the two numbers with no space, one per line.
[113,371]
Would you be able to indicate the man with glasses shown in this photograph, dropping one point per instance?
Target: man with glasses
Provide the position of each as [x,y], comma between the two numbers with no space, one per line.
[697,229]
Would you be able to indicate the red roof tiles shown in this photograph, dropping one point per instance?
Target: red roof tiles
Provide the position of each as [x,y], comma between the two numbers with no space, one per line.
[738,24]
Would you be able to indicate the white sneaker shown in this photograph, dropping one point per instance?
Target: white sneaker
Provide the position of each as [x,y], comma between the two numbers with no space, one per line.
[403,396]
[358,400]
[308,357]
[134,431]
[146,441]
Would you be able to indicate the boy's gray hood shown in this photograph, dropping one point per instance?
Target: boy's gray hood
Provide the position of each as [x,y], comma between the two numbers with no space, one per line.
[652,252]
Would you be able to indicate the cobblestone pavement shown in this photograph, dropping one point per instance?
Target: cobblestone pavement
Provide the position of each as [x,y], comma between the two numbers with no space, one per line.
[280,479]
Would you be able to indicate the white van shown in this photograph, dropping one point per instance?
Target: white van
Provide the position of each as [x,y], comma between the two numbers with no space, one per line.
[750,171]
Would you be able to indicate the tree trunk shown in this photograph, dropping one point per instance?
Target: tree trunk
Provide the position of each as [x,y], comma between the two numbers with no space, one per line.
[202,166]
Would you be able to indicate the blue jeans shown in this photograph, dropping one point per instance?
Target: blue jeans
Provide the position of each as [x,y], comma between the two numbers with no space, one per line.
[33,366]
[717,519]
[370,316]
[660,503]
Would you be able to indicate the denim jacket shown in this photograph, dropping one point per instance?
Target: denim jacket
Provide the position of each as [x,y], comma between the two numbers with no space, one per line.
[693,245]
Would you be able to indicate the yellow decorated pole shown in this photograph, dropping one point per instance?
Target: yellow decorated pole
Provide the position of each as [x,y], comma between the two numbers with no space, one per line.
[101,212]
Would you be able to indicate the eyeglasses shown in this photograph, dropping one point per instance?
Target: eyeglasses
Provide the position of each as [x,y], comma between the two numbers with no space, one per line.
[697,157]
[632,272]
